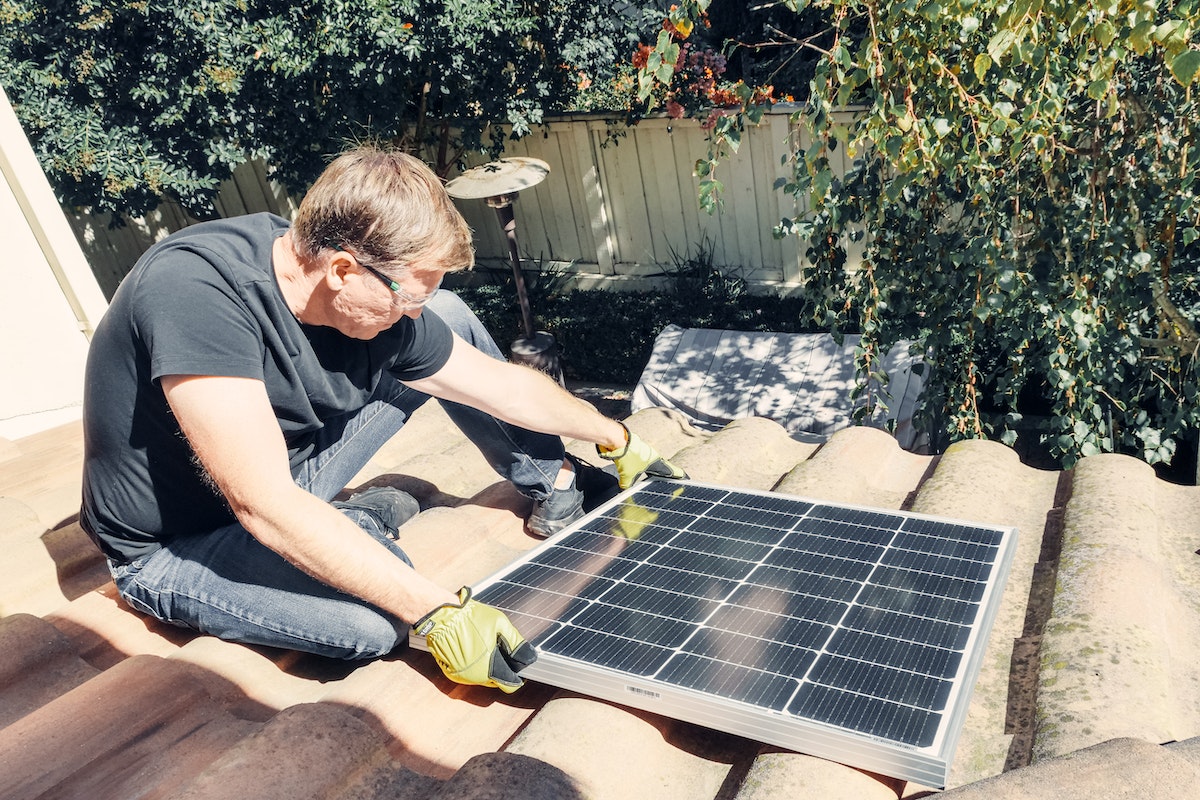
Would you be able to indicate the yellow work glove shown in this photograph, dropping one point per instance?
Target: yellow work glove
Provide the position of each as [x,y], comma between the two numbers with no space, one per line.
[475,644]
[637,459]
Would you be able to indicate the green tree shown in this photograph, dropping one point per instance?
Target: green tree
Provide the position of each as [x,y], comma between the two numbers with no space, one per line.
[1025,190]
[128,101]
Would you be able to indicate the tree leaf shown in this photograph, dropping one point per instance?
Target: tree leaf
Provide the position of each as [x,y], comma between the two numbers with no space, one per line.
[983,63]
[1000,44]
[1172,36]
[1140,37]
[1186,66]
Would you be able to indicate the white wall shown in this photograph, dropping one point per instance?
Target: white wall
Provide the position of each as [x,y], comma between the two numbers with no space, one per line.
[49,301]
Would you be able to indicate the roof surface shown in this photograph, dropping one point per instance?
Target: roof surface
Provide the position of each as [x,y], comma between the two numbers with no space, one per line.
[1093,664]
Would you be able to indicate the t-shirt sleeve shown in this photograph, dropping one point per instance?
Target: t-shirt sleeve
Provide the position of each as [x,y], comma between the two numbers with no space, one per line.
[428,350]
[192,322]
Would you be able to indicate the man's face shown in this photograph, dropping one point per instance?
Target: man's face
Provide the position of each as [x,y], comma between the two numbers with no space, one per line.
[371,301]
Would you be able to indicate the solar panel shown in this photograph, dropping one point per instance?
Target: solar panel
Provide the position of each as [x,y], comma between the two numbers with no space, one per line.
[848,633]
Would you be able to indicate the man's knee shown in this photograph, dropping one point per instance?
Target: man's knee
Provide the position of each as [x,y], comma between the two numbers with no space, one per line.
[369,634]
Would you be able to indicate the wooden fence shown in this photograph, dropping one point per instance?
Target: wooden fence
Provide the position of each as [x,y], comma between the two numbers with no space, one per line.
[618,210]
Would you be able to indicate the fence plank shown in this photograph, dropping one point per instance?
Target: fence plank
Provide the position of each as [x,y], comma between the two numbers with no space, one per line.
[532,235]
[662,191]
[765,167]
[588,142]
[571,202]
[785,138]
[623,179]
[485,229]
[558,232]
[702,228]
[740,222]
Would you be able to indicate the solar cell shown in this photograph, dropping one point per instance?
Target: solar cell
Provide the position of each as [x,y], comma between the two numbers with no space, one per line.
[848,633]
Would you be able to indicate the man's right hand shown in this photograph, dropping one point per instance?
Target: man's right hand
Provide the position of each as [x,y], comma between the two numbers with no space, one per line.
[637,459]
[476,644]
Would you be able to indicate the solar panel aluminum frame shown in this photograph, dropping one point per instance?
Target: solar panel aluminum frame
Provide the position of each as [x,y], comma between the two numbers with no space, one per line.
[928,766]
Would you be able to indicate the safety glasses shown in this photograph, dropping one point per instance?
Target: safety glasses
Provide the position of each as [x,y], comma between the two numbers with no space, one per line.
[400,297]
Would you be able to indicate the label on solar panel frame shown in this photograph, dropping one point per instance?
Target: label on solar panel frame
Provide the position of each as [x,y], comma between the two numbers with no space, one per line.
[848,633]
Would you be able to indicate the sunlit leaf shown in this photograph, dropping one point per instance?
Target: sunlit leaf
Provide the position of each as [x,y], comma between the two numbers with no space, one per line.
[982,63]
[1140,38]
[1000,44]
[1186,66]
[1172,36]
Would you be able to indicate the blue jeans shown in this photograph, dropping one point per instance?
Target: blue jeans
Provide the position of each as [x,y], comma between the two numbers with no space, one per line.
[227,584]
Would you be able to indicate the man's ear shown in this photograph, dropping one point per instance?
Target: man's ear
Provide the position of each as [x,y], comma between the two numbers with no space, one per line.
[337,268]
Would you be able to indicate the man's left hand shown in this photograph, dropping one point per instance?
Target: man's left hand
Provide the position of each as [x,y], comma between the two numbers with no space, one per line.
[474,643]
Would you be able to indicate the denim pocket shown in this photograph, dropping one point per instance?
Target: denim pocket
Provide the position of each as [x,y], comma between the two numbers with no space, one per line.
[123,572]
[134,592]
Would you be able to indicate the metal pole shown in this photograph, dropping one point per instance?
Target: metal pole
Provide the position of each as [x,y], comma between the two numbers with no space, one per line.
[537,348]
[504,210]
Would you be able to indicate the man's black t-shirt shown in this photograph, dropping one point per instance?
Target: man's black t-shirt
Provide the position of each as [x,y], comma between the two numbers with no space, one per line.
[204,301]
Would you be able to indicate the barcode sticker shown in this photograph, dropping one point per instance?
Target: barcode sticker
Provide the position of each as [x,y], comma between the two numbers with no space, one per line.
[643,692]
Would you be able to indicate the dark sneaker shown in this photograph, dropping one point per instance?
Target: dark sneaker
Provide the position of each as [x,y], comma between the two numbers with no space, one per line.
[591,487]
[556,512]
[390,506]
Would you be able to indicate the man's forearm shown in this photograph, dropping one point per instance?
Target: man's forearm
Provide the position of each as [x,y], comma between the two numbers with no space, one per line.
[232,429]
[534,401]
[315,537]
[519,395]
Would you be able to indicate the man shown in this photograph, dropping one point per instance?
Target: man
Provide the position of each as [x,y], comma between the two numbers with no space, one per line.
[246,371]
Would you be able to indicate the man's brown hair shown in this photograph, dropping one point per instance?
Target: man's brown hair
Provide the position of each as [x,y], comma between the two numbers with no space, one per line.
[387,208]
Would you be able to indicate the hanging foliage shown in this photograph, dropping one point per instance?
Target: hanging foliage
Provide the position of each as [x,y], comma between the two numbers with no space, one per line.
[1024,191]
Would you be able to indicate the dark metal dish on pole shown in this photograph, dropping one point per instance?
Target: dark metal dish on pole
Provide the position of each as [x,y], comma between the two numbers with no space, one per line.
[498,182]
